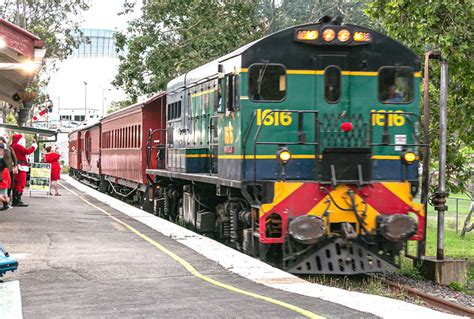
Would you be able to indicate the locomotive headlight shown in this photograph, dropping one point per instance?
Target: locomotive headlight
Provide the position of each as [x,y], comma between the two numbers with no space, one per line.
[409,157]
[284,155]
[329,35]
[343,35]
[306,229]
[397,227]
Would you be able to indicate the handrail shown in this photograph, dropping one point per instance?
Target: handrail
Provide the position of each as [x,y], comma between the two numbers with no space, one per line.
[150,146]
[210,138]
[407,116]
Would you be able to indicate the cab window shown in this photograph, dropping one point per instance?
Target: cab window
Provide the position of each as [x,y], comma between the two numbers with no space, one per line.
[332,84]
[267,82]
[395,85]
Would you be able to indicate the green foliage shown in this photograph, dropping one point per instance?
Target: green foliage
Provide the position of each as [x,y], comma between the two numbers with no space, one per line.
[445,26]
[10,119]
[172,37]
[293,12]
[54,21]
[456,286]
[115,106]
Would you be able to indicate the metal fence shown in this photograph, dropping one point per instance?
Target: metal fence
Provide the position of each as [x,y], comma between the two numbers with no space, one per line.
[458,209]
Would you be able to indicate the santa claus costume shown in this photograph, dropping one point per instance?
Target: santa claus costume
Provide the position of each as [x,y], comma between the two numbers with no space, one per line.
[19,180]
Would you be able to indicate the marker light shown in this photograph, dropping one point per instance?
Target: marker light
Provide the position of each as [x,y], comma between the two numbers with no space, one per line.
[346,126]
[409,158]
[329,35]
[362,36]
[307,35]
[343,35]
[3,43]
[284,155]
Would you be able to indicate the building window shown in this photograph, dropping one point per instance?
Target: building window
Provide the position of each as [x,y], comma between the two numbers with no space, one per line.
[332,84]
[395,85]
[267,82]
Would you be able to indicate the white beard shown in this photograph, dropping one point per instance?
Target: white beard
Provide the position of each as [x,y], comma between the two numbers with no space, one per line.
[22,142]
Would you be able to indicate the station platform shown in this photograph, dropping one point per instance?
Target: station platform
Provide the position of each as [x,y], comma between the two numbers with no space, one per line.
[87,255]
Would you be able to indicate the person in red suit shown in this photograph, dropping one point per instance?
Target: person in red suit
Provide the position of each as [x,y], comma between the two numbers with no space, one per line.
[53,158]
[19,180]
[4,182]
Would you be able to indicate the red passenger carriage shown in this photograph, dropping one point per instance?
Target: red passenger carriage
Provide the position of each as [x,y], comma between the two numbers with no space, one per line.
[90,150]
[124,141]
[111,155]
[74,151]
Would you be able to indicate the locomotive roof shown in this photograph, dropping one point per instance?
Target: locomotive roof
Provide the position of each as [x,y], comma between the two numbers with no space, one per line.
[280,47]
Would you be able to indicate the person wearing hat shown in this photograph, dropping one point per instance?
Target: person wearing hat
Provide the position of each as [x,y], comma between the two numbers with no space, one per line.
[10,159]
[19,181]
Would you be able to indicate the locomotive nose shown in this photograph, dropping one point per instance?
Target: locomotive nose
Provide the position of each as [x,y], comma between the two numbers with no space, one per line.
[307,229]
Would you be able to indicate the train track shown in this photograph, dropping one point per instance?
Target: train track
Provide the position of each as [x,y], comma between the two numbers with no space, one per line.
[430,300]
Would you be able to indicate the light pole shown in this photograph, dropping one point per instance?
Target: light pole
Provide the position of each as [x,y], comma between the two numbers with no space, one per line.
[59,112]
[103,101]
[85,101]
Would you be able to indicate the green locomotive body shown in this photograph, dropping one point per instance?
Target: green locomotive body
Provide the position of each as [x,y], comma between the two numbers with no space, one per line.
[300,148]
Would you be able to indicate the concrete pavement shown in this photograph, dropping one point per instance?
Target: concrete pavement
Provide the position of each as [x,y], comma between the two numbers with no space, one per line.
[75,261]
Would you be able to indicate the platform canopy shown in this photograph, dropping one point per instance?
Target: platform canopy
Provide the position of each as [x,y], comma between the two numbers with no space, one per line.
[21,54]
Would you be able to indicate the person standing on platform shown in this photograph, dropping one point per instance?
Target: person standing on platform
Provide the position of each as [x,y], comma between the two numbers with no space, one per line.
[52,157]
[5,181]
[12,164]
[19,181]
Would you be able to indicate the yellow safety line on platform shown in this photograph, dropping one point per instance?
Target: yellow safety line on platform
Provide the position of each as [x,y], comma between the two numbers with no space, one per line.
[193,270]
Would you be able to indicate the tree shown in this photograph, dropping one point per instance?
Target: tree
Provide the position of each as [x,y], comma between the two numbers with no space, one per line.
[56,22]
[278,15]
[118,105]
[446,26]
[172,37]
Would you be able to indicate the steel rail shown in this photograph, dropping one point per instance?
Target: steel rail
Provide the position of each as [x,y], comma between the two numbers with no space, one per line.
[430,300]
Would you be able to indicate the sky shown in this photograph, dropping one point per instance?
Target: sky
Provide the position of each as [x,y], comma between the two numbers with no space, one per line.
[103,15]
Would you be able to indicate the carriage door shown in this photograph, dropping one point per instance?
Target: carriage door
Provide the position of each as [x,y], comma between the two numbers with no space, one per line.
[332,89]
[346,157]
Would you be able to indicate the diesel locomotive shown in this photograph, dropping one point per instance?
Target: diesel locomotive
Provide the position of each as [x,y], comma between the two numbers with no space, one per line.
[300,148]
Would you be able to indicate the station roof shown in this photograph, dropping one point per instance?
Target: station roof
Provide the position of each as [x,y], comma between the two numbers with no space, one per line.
[21,52]
[43,134]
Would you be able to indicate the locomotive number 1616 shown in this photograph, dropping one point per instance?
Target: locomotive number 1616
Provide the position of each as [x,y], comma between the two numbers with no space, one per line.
[269,118]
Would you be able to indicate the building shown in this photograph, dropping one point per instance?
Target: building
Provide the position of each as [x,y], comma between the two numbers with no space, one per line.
[81,88]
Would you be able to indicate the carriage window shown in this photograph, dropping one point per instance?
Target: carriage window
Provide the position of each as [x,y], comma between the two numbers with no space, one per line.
[267,82]
[332,84]
[395,85]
